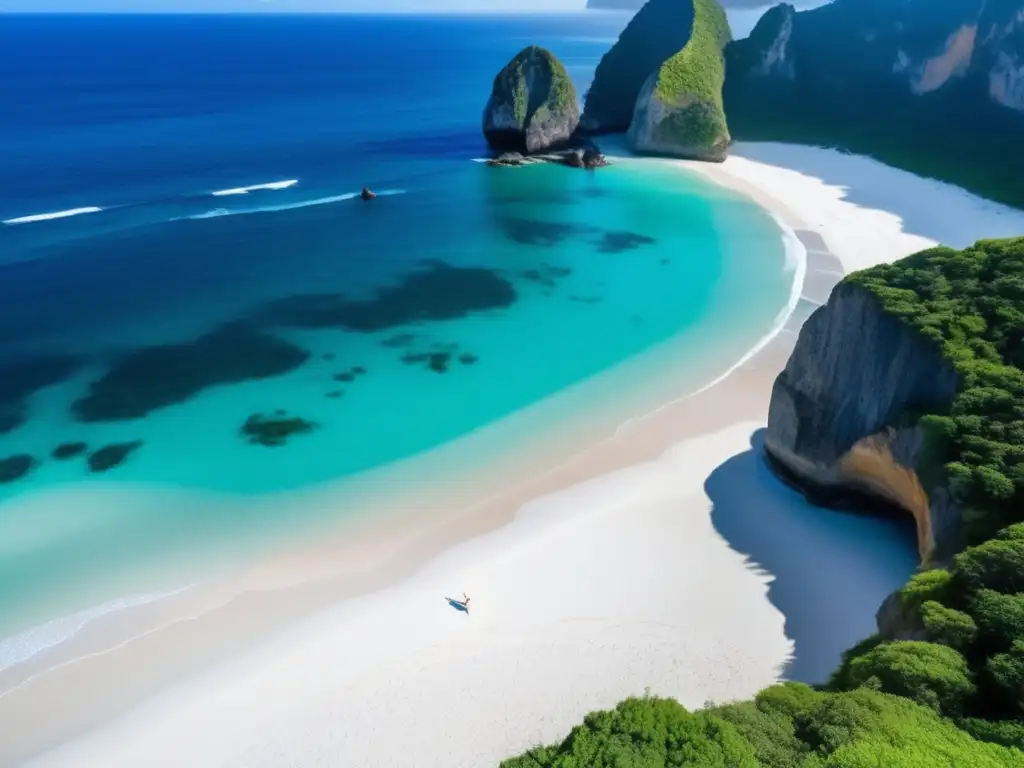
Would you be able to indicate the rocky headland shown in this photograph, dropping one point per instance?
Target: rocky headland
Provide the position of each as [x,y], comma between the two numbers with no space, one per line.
[937,88]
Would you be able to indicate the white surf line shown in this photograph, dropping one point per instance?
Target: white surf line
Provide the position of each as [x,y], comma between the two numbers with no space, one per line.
[254,187]
[51,216]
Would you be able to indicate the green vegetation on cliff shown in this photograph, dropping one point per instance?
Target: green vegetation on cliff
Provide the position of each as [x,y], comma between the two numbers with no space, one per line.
[696,74]
[699,68]
[658,31]
[956,699]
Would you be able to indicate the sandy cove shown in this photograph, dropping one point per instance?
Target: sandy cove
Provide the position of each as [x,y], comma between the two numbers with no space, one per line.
[662,556]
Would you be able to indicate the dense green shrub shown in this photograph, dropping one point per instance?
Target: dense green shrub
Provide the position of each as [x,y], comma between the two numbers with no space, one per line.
[924,586]
[786,726]
[645,732]
[1000,618]
[930,674]
[948,626]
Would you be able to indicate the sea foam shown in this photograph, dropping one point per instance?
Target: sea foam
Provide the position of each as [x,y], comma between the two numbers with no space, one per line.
[255,187]
[218,212]
[19,648]
[51,216]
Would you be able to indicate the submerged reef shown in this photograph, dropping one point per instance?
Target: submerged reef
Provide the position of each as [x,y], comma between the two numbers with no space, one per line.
[150,378]
[619,242]
[16,467]
[111,456]
[22,378]
[542,233]
[436,292]
[66,451]
[274,431]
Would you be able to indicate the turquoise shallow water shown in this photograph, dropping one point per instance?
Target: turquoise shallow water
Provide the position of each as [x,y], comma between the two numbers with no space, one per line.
[594,269]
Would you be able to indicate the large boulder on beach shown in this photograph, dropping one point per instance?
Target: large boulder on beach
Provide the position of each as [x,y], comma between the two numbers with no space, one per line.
[679,110]
[533,105]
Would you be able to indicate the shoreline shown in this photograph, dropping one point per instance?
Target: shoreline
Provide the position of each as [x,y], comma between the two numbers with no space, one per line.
[725,413]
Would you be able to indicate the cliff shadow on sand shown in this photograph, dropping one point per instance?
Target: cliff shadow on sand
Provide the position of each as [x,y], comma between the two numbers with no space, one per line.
[831,570]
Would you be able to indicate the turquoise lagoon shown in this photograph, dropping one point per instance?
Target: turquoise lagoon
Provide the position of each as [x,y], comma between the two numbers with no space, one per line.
[638,263]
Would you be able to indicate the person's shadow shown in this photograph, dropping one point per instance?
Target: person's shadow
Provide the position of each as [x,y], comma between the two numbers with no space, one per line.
[832,569]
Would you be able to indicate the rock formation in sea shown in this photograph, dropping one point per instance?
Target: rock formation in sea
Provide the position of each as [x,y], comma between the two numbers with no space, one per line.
[659,31]
[916,83]
[679,110]
[533,105]
[662,81]
[836,427]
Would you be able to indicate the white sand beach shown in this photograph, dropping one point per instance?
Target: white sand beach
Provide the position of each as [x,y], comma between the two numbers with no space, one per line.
[662,557]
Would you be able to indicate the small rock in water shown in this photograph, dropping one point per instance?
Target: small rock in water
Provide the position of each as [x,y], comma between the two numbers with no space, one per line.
[345,377]
[468,358]
[335,394]
[507,159]
[111,456]
[359,370]
[69,450]
[367,194]
[15,467]
[328,356]
[412,358]
[274,432]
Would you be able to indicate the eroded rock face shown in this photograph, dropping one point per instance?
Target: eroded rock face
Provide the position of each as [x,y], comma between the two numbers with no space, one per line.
[533,105]
[691,127]
[679,110]
[838,420]
[660,29]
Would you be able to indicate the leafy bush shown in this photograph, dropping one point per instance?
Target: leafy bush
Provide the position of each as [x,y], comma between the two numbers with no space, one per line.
[948,626]
[645,732]
[933,675]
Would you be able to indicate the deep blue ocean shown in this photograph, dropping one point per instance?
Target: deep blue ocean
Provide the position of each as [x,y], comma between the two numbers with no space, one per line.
[220,279]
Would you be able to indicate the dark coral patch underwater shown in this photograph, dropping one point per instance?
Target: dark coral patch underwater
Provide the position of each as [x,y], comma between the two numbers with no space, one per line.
[19,379]
[154,377]
[110,456]
[436,292]
[66,451]
[542,233]
[274,431]
[620,242]
[16,467]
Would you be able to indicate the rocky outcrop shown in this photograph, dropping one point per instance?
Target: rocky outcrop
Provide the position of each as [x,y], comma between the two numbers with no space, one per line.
[841,426]
[679,110]
[658,32]
[533,105]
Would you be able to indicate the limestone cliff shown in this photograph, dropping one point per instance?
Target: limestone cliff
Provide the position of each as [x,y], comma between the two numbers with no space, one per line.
[679,110]
[840,422]
[658,31]
[533,105]
[917,83]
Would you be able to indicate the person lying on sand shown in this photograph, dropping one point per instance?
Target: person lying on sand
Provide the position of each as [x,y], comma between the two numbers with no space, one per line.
[464,602]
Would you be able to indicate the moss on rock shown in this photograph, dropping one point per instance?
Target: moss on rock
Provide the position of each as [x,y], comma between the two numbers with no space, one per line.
[679,110]
[533,105]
